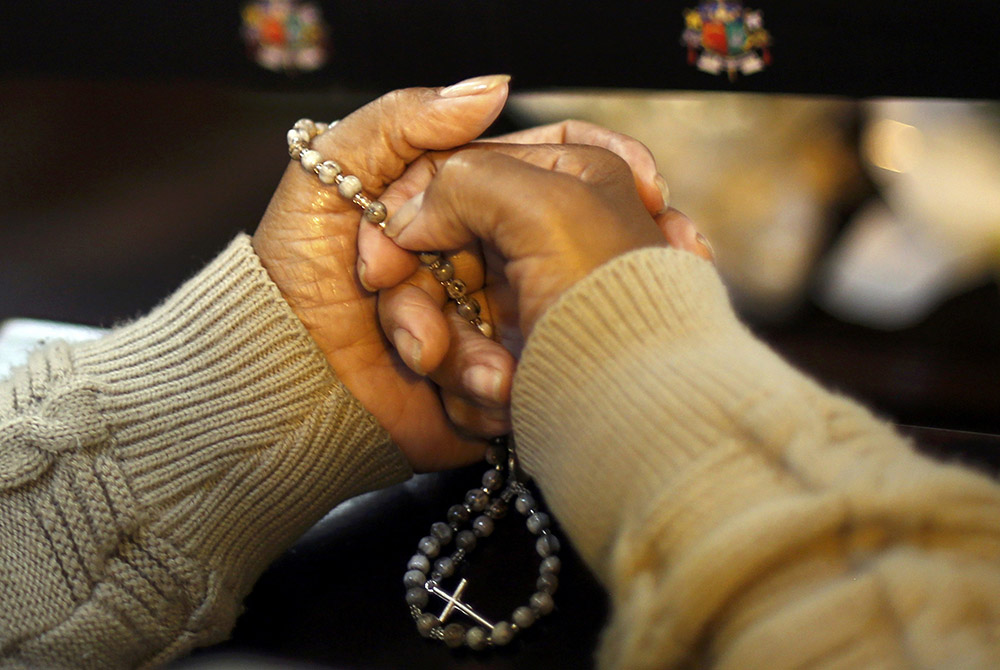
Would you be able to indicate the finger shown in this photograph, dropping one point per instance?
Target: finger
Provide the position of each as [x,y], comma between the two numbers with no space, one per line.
[410,314]
[682,233]
[650,184]
[376,142]
[475,420]
[475,367]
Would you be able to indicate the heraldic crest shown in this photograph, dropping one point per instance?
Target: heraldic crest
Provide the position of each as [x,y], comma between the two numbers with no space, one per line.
[722,36]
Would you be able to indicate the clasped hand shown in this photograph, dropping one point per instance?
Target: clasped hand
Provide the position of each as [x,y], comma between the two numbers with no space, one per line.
[522,218]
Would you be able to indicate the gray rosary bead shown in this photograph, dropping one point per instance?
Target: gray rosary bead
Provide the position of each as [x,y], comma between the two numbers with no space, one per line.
[524,504]
[482,526]
[476,638]
[417,596]
[547,583]
[429,257]
[469,309]
[502,634]
[441,531]
[547,545]
[444,566]
[498,509]
[523,617]
[419,562]
[454,635]
[496,454]
[429,546]
[427,623]
[443,271]
[538,522]
[477,499]
[414,578]
[550,565]
[466,540]
[541,602]
[492,480]
[375,212]
[458,514]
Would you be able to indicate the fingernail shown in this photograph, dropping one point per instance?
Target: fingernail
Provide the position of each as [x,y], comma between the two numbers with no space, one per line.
[403,216]
[474,86]
[409,348]
[703,241]
[484,382]
[361,277]
[661,184]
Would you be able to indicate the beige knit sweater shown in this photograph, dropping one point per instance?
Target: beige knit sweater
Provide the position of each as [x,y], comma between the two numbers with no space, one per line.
[739,515]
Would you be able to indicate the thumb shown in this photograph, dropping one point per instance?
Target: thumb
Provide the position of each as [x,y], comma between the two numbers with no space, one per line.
[376,142]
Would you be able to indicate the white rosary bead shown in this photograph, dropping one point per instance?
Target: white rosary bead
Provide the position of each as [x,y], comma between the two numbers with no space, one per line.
[294,135]
[306,125]
[327,172]
[310,158]
[349,187]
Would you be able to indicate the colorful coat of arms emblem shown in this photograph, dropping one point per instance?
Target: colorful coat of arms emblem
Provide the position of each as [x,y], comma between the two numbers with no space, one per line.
[722,36]
[285,35]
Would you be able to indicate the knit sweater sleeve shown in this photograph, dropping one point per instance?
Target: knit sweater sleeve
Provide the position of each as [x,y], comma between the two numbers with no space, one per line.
[740,515]
[146,479]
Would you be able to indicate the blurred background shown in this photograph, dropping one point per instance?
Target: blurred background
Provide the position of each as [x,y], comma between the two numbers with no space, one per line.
[850,188]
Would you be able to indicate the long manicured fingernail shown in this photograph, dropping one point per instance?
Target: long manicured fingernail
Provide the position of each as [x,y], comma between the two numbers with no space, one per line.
[661,184]
[362,268]
[484,382]
[409,348]
[706,245]
[474,86]
[403,216]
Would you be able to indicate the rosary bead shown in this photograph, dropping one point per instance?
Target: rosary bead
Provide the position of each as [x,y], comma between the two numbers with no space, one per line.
[466,540]
[547,545]
[541,602]
[427,623]
[444,271]
[455,289]
[482,526]
[307,126]
[417,596]
[538,522]
[484,328]
[492,480]
[310,158]
[458,513]
[327,171]
[468,310]
[525,503]
[414,578]
[429,546]
[496,454]
[419,562]
[349,187]
[497,509]
[550,566]
[295,135]
[321,127]
[441,531]
[477,499]
[429,257]
[547,583]
[523,617]
[295,149]
[446,567]
[454,635]
[375,212]
[476,638]
[502,634]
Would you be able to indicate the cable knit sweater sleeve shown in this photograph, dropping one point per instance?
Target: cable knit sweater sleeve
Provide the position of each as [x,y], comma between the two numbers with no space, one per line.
[740,515]
[147,479]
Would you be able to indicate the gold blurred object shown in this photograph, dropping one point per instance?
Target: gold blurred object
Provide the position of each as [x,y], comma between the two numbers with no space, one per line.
[760,175]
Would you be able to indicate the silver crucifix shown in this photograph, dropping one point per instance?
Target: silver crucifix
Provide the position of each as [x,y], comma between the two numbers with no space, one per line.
[453,602]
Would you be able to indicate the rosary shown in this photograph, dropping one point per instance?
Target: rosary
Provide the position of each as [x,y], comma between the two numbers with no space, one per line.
[475,517]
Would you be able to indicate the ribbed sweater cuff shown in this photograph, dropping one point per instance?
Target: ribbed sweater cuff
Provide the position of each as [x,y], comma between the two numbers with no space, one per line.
[232,432]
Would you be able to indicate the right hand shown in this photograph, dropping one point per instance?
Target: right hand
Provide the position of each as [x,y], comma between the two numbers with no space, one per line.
[547,217]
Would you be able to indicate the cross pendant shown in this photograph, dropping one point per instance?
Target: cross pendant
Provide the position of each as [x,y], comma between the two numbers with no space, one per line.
[454,603]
